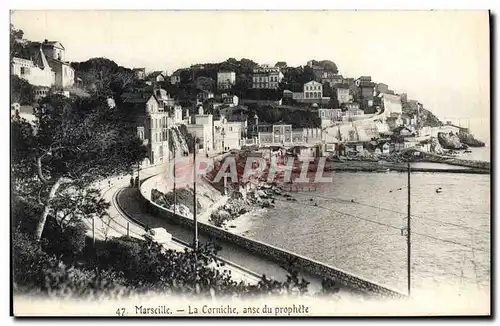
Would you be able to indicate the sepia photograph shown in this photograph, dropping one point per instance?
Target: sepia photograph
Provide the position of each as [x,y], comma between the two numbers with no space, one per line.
[250,163]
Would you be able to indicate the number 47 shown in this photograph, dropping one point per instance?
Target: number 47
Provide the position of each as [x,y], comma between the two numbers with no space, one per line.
[120,311]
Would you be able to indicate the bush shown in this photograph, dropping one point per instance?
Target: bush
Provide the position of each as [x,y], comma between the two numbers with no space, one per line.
[66,242]
[67,281]
[37,272]
[127,265]
[25,214]
[28,261]
[120,254]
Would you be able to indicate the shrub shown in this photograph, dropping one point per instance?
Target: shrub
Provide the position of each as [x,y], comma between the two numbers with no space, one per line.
[28,261]
[66,242]
[67,281]
[25,214]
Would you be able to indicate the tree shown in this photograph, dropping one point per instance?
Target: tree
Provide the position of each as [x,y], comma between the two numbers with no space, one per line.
[205,83]
[329,66]
[21,90]
[104,77]
[326,65]
[17,46]
[186,76]
[71,145]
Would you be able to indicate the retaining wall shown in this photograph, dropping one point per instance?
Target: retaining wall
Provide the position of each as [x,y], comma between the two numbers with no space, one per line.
[435,158]
[276,254]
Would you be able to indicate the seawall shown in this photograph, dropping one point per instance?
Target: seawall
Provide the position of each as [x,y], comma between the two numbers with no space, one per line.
[273,253]
[482,166]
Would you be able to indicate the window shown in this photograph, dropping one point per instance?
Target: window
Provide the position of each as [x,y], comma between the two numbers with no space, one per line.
[25,71]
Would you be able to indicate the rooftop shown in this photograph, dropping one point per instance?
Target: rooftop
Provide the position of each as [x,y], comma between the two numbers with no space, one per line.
[53,43]
[136,97]
[178,72]
[156,74]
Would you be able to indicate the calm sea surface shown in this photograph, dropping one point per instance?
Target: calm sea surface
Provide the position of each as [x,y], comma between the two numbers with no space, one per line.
[450,230]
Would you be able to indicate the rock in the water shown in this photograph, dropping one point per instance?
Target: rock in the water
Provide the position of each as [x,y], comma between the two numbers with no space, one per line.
[469,140]
[450,141]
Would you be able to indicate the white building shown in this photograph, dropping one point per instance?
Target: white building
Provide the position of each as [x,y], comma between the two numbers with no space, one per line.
[330,114]
[231,100]
[152,121]
[313,90]
[391,104]
[343,95]
[158,132]
[266,77]
[226,79]
[64,73]
[36,72]
[203,129]
[276,134]
[227,135]
[216,135]
[204,133]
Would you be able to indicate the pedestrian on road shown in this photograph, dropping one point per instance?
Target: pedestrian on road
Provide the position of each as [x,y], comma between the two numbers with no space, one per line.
[131,182]
[136,181]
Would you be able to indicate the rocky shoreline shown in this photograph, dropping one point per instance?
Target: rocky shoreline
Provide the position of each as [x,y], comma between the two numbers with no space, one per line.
[458,141]
[244,201]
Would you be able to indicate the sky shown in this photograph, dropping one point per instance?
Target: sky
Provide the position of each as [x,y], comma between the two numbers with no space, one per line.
[440,58]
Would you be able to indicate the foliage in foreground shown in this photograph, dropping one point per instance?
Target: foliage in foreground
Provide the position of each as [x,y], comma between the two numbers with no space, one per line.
[124,266]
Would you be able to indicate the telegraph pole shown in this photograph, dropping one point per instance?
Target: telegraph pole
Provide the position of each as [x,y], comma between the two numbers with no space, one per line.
[408,236]
[93,232]
[194,196]
[175,195]
[138,177]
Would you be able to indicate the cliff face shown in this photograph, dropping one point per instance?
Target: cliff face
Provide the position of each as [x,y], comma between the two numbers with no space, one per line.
[450,141]
[469,140]
[429,119]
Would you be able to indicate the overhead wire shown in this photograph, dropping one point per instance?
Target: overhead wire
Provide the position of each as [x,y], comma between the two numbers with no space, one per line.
[384,224]
[395,211]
